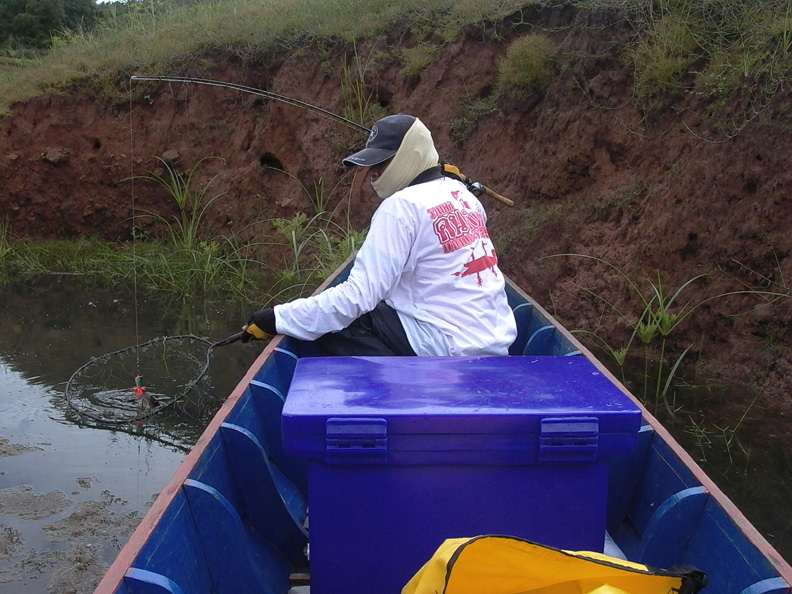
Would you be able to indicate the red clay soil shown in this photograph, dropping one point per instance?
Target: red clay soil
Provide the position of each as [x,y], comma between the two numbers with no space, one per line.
[664,195]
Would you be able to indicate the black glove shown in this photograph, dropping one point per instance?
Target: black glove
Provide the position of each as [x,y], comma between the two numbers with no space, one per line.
[261,325]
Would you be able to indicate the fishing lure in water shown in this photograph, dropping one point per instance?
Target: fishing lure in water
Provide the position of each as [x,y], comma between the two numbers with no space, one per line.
[139,389]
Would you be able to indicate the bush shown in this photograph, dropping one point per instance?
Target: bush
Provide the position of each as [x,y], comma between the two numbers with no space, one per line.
[528,67]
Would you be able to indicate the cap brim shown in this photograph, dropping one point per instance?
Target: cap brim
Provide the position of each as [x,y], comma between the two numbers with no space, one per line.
[368,157]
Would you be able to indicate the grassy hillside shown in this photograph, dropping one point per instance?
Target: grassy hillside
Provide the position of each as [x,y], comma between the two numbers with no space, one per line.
[711,47]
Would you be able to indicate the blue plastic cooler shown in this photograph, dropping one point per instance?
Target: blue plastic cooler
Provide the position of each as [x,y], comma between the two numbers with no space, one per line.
[405,452]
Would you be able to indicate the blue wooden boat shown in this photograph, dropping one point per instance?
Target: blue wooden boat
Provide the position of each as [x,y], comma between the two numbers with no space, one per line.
[233,517]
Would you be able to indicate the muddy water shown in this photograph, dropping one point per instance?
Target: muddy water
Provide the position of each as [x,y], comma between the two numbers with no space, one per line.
[744,448]
[70,494]
[746,451]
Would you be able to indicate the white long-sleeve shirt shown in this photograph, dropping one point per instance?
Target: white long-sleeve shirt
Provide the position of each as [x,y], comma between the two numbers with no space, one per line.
[429,256]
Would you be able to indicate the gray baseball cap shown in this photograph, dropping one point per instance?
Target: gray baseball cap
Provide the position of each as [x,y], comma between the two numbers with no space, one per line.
[383,142]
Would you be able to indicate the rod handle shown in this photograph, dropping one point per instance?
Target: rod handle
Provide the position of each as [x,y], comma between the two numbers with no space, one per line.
[498,197]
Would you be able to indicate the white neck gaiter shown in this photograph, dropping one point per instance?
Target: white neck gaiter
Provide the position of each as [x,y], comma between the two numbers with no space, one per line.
[416,154]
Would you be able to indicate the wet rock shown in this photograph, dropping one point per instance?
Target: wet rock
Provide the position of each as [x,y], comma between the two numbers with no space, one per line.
[55,156]
[170,156]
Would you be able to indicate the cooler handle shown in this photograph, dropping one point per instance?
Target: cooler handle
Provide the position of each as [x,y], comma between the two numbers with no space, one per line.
[350,440]
[569,439]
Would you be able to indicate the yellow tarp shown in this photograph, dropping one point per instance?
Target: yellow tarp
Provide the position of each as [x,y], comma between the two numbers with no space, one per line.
[505,565]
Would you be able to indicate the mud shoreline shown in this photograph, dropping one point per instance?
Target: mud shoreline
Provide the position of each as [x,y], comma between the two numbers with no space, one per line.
[50,541]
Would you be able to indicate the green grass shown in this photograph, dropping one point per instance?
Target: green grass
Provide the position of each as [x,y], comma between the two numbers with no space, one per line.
[190,199]
[143,41]
[528,67]
[226,267]
[709,47]
[417,58]
[712,47]
[470,114]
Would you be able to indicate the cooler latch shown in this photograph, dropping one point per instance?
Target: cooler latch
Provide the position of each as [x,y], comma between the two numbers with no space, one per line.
[568,439]
[356,440]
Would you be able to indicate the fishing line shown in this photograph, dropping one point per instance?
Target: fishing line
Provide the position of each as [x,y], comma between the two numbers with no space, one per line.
[134,271]
[134,233]
[260,93]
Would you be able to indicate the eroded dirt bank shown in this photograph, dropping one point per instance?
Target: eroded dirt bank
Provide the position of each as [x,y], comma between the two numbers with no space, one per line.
[691,187]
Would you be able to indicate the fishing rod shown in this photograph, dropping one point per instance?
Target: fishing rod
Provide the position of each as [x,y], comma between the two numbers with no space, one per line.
[475,187]
[260,93]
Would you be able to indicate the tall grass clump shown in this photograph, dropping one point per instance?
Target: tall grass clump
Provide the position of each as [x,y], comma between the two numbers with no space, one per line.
[6,250]
[470,114]
[524,73]
[417,58]
[360,98]
[201,261]
[190,199]
[311,246]
[665,56]
[5,239]
[528,67]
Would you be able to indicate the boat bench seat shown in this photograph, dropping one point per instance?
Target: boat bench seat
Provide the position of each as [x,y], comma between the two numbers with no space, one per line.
[666,518]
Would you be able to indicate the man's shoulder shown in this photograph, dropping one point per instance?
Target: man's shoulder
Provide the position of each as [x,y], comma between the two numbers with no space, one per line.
[444,192]
[430,191]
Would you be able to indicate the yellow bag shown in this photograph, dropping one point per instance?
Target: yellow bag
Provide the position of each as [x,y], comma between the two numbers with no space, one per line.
[508,565]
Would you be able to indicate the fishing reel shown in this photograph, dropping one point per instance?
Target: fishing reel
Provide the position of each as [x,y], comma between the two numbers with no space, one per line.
[474,187]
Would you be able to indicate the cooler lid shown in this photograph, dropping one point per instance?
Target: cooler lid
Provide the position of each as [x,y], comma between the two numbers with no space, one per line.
[425,396]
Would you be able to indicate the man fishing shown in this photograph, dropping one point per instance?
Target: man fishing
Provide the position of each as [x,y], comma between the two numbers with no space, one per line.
[426,280]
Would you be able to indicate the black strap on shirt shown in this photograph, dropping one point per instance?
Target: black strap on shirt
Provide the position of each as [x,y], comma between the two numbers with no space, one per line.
[427,175]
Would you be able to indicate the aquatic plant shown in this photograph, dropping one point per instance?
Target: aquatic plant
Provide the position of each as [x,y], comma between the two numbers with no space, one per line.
[190,201]
[660,313]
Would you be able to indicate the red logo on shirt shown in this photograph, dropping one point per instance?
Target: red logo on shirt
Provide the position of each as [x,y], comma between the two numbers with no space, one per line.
[478,265]
[462,201]
[456,228]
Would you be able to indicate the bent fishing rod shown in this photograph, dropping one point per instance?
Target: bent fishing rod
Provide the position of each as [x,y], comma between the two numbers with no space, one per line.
[474,187]
[255,91]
